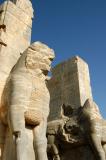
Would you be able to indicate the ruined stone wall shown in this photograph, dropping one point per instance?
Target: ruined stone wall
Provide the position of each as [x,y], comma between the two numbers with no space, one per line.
[70,84]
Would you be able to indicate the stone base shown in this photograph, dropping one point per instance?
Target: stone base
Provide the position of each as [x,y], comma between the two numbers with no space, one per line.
[78,153]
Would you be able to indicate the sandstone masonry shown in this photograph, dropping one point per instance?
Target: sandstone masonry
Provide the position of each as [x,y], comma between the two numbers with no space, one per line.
[70,84]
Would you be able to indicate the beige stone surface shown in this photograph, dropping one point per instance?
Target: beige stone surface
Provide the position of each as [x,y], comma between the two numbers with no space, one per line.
[76,130]
[25,105]
[25,99]
[15,33]
[70,84]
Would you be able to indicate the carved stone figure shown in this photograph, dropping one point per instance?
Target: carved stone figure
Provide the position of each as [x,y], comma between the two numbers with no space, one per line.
[15,21]
[94,127]
[78,127]
[25,102]
[64,133]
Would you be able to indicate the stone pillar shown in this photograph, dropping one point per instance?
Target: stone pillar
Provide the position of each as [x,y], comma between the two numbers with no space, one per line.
[70,84]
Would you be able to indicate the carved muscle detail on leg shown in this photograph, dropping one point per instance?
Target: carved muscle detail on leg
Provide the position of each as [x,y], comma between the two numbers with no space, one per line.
[53,137]
[26,97]
[94,127]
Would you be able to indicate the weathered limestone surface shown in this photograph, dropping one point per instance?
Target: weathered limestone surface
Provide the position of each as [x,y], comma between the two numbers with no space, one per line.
[25,105]
[70,84]
[15,33]
[76,129]
[15,36]
[80,135]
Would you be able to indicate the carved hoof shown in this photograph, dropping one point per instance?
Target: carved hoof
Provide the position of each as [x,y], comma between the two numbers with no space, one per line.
[56,157]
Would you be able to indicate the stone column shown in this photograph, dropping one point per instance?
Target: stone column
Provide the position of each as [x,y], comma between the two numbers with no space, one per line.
[70,84]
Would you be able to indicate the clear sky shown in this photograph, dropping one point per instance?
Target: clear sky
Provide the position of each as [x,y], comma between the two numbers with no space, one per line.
[75,27]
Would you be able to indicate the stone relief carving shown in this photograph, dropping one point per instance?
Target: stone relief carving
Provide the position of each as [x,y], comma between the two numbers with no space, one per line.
[77,127]
[64,133]
[13,17]
[94,127]
[24,105]
[25,100]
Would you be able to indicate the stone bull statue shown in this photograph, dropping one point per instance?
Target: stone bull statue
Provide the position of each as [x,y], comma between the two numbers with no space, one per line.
[86,126]
[25,104]
[94,127]
[63,133]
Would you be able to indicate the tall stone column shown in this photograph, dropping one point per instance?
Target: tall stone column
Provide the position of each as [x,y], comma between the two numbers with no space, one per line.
[70,84]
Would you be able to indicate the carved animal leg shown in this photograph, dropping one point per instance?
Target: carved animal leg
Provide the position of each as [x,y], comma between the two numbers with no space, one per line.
[20,142]
[56,153]
[104,148]
[53,146]
[95,142]
[40,141]
[24,145]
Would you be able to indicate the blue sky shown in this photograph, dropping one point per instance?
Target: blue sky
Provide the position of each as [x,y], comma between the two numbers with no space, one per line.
[75,27]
